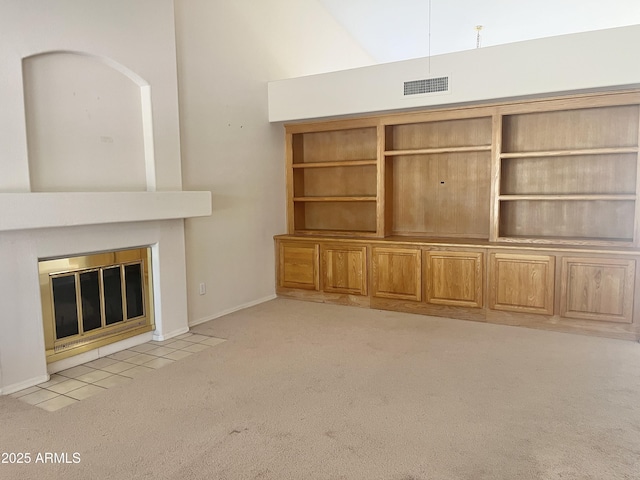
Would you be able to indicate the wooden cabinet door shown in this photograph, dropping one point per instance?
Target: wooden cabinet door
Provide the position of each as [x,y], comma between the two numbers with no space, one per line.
[521,283]
[298,265]
[397,273]
[344,269]
[454,278]
[597,289]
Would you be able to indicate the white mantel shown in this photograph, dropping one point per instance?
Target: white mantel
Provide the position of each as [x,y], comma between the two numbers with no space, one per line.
[23,211]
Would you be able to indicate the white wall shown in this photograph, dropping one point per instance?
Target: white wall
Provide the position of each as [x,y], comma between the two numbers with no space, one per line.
[138,35]
[84,125]
[580,61]
[227,51]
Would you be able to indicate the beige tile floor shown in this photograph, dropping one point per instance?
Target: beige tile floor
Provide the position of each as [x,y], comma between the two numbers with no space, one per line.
[77,383]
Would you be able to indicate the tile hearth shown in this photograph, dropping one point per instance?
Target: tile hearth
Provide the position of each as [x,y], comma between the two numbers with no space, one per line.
[77,383]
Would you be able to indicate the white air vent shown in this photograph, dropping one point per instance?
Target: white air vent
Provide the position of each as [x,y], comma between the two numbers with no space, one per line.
[427,85]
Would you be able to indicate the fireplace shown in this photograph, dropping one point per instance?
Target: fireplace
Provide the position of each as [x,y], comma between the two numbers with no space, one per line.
[89,301]
[90,163]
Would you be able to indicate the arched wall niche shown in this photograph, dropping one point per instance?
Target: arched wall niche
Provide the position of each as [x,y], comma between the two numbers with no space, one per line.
[88,123]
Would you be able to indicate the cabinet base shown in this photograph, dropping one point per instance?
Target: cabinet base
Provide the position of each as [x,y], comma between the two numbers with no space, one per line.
[540,322]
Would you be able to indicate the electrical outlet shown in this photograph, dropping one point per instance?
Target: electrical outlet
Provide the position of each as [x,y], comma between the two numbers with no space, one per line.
[203,288]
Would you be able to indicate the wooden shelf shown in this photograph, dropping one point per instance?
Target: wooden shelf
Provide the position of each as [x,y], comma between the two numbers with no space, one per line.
[432,151]
[569,241]
[334,199]
[334,231]
[569,153]
[567,168]
[573,197]
[341,163]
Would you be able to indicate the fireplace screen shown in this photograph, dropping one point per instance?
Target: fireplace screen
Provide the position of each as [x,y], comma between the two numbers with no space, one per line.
[92,300]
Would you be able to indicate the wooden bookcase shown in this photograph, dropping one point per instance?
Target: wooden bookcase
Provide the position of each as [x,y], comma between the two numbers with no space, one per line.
[489,212]
[333,180]
[439,177]
[569,175]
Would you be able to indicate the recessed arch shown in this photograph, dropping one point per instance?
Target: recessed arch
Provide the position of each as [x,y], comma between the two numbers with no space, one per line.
[89,124]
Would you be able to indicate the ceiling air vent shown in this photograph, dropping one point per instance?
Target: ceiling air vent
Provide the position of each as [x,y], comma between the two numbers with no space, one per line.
[428,85]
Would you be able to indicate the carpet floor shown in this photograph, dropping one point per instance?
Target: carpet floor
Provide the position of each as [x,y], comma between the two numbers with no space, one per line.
[313,391]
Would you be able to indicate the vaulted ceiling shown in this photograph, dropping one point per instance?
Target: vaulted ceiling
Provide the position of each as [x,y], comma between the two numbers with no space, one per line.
[393,30]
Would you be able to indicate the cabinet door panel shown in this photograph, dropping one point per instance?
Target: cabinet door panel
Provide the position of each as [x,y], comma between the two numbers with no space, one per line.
[397,273]
[299,266]
[344,269]
[597,289]
[454,278]
[522,283]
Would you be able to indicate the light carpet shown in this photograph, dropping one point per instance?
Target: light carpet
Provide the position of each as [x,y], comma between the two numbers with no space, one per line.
[313,391]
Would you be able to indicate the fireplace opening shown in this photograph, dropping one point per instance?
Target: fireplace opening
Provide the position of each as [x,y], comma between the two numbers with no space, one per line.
[92,300]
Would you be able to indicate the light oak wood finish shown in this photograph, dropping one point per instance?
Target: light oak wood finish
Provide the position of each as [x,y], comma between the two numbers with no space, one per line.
[446,134]
[344,269]
[335,164]
[477,172]
[355,181]
[522,306]
[599,289]
[383,218]
[441,195]
[571,219]
[432,151]
[454,278]
[541,180]
[571,129]
[556,323]
[348,217]
[636,229]
[521,283]
[335,199]
[441,177]
[295,217]
[325,297]
[338,145]
[569,174]
[423,308]
[397,273]
[495,178]
[343,163]
[299,265]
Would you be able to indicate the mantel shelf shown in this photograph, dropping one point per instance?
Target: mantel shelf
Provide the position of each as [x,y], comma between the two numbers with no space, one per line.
[24,211]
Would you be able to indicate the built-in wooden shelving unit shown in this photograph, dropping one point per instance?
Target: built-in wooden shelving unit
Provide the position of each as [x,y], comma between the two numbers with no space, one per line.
[536,196]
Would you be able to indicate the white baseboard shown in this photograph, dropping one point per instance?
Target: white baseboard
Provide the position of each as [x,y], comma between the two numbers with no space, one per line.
[167,336]
[16,387]
[234,309]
